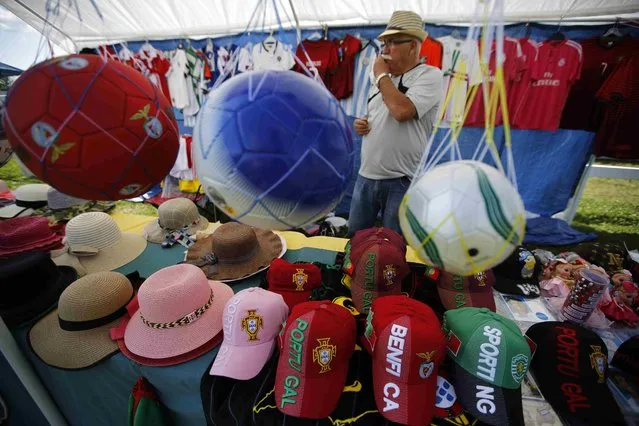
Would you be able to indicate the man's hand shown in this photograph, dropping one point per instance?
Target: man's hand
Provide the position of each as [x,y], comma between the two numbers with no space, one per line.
[380,66]
[361,126]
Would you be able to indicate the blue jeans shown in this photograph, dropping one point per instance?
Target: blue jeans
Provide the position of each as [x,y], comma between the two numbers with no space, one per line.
[371,197]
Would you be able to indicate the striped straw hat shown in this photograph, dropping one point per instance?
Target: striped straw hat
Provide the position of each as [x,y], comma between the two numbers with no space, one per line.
[405,22]
[76,335]
[99,244]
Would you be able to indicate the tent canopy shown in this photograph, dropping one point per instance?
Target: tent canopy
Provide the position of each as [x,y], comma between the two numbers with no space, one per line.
[8,70]
[92,22]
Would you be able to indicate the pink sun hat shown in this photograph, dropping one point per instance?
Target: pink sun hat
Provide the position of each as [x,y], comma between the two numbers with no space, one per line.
[252,321]
[180,310]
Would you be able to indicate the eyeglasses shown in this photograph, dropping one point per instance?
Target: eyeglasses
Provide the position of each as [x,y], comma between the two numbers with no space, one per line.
[391,43]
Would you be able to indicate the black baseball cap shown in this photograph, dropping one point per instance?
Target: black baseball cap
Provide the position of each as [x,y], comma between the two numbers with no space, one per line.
[519,274]
[627,356]
[569,364]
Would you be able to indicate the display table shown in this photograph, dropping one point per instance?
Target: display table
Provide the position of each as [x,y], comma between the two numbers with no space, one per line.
[99,395]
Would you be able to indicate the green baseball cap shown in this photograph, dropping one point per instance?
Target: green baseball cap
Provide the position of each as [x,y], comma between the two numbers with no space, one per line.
[491,358]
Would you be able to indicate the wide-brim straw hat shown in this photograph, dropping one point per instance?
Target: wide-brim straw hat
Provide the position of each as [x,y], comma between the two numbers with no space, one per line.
[235,251]
[179,311]
[174,215]
[76,335]
[28,197]
[99,244]
[405,22]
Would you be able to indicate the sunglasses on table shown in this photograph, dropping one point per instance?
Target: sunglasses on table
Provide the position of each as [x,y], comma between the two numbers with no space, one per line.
[391,43]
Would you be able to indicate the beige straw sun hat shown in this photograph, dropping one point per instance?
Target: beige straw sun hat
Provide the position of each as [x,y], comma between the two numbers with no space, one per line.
[99,244]
[405,22]
[175,215]
[76,335]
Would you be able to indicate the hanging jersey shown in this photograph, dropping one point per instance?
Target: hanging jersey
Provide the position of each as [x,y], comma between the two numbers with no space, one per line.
[272,56]
[226,63]
[519,88]
[210,52]
[176,77]
[432,52]
[618,134]
[355,105]
[557,68]
[245,58]
[512,68]
[458,80]
[322,55]
[341,82]
[600,60]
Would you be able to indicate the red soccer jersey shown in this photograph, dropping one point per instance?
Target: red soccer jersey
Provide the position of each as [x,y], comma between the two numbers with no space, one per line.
[433,51]
[514,65]
[341,82]
[601,59]
[618,134]
[518,89]
[322,53]
[557,68]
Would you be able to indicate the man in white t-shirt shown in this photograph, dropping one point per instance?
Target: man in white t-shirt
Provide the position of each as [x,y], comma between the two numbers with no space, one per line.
[402,108]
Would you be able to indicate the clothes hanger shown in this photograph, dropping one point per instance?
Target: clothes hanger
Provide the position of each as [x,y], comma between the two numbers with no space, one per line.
[270,40]
[558,35]
[456,35]
[527,30]
[612,36]
[315,36]
[325,27]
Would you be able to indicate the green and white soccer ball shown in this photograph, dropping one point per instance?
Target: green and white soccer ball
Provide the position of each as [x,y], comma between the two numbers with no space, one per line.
[464,217]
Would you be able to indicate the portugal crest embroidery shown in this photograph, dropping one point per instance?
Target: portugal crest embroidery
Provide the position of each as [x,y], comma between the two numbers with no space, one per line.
[481,279]
[599,361]
[426,368]
[324,354]
[389,274]
[299,279]
[252,323]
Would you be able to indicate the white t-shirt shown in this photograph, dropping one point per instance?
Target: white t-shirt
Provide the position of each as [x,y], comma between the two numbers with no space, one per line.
[454,54]
[393,149]
[176,79]
[245,59]
[272,56]
[355,105]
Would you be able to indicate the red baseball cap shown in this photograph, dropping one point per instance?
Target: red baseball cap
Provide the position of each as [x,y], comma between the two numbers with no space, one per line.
[370,234]
[379,266]
[475,290]
[293,281]
[316,344]
[407,343]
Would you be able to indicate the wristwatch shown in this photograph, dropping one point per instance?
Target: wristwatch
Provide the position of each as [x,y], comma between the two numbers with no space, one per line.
[379,78]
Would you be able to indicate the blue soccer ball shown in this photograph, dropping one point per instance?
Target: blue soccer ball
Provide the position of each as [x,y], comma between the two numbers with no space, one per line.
[273,149]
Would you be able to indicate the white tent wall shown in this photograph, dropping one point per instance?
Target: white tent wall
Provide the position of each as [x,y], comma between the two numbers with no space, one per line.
[92,22]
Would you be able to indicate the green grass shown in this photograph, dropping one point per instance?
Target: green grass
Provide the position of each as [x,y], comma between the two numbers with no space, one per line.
[609,207]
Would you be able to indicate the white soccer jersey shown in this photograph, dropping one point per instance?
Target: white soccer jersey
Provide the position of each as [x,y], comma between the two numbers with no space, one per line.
[272,56]
[355,105]
[454,54]
[245,59]
[176,78]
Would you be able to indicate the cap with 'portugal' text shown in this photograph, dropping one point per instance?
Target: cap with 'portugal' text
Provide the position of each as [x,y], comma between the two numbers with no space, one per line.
[316,345]
[569,365]
[491,358]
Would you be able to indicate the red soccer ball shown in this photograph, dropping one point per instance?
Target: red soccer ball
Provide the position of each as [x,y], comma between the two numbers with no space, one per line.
[91,127]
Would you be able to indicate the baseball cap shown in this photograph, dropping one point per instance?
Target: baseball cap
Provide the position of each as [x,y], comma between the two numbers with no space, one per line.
[569,366]
[490,359]
[405,339]
[519,274]
[295,282]
[626,357]
[252,319]
[370,234]
[379,268]
[316,344]
[456,291]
